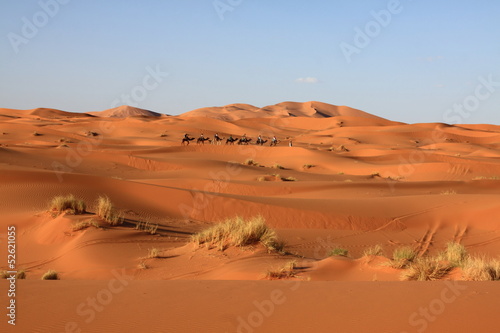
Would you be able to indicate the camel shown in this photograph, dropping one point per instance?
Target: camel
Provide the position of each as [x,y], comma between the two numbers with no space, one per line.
[186,140]
[217,140]
[231,140]
[260,142]
[274,142]
[202,140]
[244,141]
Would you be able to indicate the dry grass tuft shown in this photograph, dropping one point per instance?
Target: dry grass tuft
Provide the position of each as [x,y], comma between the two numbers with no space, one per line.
[426,269]
[277,166]
[147,227]
[285,272]
[239,232]
[107,211]
[154,253]
[50,275]
[402,257]
[455,254]
[250,162]
[375,250]
[308,166]
[85,224]
[289,179]
[481,269]
[338,252]
[67,204]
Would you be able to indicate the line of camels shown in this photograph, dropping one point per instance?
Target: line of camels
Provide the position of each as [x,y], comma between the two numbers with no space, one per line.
[217,140]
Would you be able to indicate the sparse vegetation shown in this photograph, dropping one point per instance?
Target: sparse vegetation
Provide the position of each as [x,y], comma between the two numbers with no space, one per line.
[426,269]
[4,274]
[239,232]
[107,211]
[91,133]
[250,162]
[455,254]
[153,253]
[481,269]
[21,274]
[402,257]
[375,174]
[308,166]
[277,166]
[289,179]
[67,204]
[448,192]
[50,275]
[375,250]
[285,272]
[85,224]
[147,227]
[143,265]
[338,252]
[35,133]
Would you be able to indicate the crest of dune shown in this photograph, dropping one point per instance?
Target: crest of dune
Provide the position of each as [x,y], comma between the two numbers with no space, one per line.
[311,109]
[125,111]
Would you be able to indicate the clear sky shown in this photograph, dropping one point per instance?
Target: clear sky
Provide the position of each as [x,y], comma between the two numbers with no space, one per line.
[407,60]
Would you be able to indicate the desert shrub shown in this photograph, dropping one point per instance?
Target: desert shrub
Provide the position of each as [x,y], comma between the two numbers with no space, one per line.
[107,211]
[251,162]
[277,166]
[50,275]
[154,253]
[147,227]
[308,166]
[426,269]
[21,274]
[338,252]
[455,254]
[481,269]
[239,232]
[289,179]
[402,257]
[69,203]
[4,274]
[375,250]
[287,271]
[85,224]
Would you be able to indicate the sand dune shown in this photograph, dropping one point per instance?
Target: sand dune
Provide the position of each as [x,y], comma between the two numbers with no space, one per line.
[350,180]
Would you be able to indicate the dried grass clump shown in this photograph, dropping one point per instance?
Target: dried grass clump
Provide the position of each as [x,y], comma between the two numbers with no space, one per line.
[67,204]
[285,272]
[426,269]
[375,250]
[107,211]
[50,275]
[402,257]
[481,269]
[239,232]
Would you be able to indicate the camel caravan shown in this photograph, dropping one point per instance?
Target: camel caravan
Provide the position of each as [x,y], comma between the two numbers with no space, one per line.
[217,140]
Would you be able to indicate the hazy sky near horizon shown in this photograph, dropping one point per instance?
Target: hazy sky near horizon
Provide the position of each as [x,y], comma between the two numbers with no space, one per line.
[408,60]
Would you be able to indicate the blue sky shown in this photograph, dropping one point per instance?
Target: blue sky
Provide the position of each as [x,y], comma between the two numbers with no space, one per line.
[421,61]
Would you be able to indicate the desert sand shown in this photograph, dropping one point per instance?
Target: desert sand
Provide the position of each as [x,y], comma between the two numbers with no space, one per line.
[350,180]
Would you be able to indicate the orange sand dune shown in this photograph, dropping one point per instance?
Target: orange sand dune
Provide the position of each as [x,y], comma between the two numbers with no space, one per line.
[349,180]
